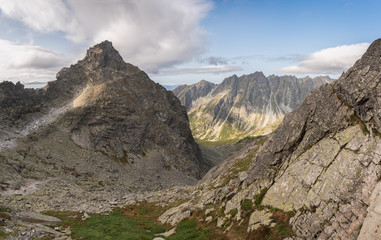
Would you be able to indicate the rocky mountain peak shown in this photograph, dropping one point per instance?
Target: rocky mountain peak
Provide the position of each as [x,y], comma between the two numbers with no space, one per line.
[360,86]
[374,50]
[102,64]
[103,55]
[110,112]
[258,74]
[203,83]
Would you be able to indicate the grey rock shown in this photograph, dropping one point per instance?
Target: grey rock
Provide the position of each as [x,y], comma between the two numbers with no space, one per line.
[34,217]
[259,218]
[189,94]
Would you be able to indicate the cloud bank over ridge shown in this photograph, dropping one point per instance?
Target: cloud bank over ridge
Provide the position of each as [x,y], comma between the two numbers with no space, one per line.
[328,61]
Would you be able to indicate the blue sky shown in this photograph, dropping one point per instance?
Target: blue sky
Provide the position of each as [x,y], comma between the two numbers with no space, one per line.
[185,41]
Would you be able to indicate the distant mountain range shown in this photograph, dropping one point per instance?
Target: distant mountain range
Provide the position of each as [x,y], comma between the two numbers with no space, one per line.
[240,106]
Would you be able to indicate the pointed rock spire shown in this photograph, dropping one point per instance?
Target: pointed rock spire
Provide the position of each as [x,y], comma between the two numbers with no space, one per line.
[103,55]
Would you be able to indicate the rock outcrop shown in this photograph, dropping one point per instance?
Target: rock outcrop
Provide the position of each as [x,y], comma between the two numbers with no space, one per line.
[320,169]
[188,94]
[240,106]
[102,121]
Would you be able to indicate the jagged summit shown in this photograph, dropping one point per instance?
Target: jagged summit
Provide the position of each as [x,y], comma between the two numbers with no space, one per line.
[101,64]
[187,94]
[103,55]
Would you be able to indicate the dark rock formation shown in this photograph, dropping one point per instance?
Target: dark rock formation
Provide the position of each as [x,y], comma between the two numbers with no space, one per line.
[106,110]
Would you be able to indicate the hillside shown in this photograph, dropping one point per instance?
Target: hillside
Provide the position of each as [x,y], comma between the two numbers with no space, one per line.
[102,125]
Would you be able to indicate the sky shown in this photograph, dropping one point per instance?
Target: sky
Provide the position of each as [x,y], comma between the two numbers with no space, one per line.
[182,42]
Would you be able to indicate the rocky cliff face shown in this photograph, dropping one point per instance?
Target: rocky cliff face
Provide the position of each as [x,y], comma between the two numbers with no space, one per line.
[319,170]
[102,121]
[188,94]
[240,106]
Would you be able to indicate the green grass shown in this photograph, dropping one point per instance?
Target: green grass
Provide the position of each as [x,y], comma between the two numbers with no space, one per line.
[259,197]
[130,223]
[233,212]
[247,205]
[208,143]
[133,222]
[3,235]
[187,230]
[138,222]
[116,226]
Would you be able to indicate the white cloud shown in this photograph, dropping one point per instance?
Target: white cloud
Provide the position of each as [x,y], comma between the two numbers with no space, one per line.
[329,61]
[214,60]
[27,63]
[149,33]
[201,70]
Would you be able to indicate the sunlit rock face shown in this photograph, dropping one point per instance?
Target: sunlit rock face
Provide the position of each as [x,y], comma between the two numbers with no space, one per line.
[240,106]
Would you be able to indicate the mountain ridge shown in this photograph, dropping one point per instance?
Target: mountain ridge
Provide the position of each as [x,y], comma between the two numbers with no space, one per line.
[252,104]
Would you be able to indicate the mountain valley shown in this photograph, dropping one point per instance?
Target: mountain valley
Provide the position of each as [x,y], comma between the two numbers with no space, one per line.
[103,152]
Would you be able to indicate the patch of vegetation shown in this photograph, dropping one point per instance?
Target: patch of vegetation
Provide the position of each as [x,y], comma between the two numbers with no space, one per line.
[248,139]
[188,229]
[139,222]
[4,209]
[233,212]
[259,197]
[226,131]
[133,222]
[259,140]
[4,215]
[246,205]
[243,164]
[376,132]
[208,143]
[355,119]
[116,225]
[3,235]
